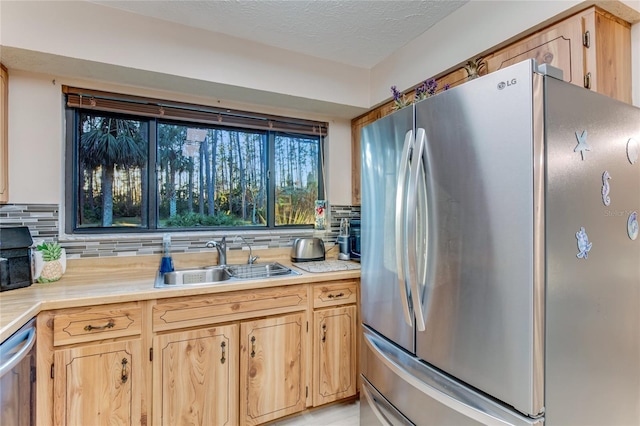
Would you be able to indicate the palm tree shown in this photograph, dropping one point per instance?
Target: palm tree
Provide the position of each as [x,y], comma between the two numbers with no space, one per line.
[171,160]
[110,142]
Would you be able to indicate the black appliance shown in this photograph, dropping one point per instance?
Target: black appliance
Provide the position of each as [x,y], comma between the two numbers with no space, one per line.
[354,239]
[15,258]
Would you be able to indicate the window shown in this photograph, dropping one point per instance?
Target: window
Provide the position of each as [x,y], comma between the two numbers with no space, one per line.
[139,164]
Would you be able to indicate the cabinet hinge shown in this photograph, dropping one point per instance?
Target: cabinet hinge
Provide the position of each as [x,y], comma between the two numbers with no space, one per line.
[307,391]
[307,326]
[586,39]
[52,371]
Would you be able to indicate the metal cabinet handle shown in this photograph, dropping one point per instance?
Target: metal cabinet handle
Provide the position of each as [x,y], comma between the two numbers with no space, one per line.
[253,346]
[90,327]
[124,376]
[324,332]
[223,347]
[587,81]
[331,295]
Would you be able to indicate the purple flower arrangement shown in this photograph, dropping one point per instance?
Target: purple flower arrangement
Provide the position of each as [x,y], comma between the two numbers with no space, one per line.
[399,99]
[426,89]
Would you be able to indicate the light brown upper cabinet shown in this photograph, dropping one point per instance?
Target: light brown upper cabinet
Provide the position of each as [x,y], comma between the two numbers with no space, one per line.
[592,48]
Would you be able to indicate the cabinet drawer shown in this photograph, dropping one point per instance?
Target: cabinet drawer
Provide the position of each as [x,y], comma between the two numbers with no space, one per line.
[96,323]
[335,293]
[231,306]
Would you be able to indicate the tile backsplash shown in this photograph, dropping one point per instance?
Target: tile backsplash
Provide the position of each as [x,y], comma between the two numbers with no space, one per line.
[43,223]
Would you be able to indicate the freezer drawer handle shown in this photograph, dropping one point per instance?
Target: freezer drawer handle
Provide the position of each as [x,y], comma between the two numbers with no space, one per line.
[383,411]
[475,407]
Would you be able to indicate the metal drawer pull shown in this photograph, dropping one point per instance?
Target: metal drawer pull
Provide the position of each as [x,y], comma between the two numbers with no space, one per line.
[223,346]
[331,295]
[90,327]
[253,346]
[324,332]
[124,376]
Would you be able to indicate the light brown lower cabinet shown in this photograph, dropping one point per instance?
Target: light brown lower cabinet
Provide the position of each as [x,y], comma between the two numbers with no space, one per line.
[195,376]
[334,354]
[226,359]
[99,384]
[272,368]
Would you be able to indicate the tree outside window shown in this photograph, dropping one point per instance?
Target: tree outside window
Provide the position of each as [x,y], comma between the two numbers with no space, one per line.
[204,176]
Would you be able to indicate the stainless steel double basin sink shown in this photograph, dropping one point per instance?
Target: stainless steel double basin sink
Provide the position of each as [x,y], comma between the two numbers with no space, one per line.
[222,274]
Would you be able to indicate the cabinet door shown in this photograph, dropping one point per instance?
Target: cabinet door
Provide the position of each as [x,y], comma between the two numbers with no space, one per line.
[4,134]
[334,354]
[272,368]
[195,376]
[99,385]
[559,45]
[608,61]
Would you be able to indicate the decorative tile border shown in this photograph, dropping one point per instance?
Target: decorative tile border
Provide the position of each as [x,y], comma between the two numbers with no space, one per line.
[42,219]
[43,222]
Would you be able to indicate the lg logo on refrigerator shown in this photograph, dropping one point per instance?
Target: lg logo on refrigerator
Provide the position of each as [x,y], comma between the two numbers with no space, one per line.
[504,84]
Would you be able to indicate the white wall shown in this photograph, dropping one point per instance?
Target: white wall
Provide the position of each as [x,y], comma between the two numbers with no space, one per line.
[36,136]
[35,140]
[103,35]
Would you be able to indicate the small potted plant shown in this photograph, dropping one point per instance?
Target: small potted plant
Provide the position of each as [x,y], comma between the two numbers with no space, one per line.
[50,262]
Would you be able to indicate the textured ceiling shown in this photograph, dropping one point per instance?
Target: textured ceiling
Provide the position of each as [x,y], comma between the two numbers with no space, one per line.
[356,32]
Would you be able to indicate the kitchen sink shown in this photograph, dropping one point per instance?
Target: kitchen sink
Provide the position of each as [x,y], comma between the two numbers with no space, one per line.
[223,274]
[258,270]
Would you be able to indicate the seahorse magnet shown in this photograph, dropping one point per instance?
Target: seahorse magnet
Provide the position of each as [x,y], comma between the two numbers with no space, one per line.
[583,244]
[605,188]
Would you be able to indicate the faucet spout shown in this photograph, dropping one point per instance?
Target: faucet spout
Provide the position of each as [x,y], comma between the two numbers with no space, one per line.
[222,249]
[251,259]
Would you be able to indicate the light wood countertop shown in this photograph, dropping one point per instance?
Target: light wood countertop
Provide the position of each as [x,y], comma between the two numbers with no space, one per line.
[126,279]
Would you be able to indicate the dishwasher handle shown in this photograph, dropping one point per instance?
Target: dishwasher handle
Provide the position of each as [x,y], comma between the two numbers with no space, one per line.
[25,337]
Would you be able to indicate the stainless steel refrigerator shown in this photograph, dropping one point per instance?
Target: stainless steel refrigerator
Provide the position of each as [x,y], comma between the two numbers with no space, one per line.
[501,257]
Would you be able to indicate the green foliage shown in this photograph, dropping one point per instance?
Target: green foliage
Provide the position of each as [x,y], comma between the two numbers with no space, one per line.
[295,206]
[195,219]
[50,251]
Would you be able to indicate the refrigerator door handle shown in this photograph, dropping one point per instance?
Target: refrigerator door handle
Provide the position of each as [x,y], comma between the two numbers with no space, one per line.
[414,176]
[401,217]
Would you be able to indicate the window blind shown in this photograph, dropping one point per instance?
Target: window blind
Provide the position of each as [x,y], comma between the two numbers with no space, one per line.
[97,100]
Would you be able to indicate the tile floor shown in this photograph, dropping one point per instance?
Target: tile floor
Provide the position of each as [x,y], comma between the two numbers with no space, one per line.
[342,414]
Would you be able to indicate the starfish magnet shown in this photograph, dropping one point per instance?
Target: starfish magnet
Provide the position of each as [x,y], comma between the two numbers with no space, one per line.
[582,143]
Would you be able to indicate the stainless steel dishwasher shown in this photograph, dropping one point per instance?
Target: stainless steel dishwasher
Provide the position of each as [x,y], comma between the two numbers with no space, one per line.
[17,377]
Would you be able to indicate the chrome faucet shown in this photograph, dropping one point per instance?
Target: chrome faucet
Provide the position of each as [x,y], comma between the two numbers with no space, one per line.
[251,259]
[222,249]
